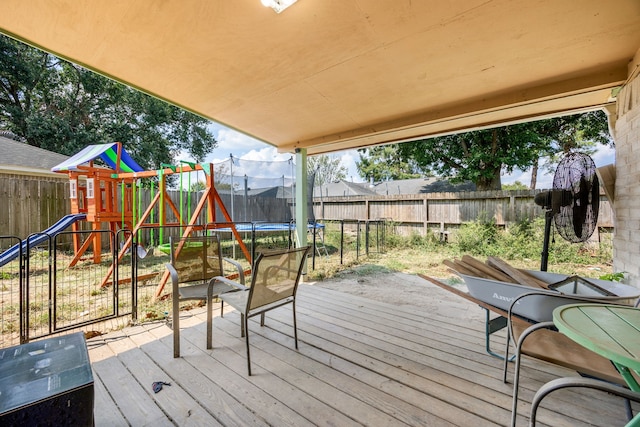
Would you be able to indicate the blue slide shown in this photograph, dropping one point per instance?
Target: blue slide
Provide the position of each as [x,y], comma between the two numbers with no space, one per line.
[62,224]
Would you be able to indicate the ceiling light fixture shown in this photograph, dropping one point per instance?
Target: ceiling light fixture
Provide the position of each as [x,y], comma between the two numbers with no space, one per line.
[278,5]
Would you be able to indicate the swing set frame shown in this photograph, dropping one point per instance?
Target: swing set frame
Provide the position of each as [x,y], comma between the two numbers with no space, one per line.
[98,199]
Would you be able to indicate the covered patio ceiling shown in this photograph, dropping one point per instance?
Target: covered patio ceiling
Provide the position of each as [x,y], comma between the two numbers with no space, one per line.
[328,75]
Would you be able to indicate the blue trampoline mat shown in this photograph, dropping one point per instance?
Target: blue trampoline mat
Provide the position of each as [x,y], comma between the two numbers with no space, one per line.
[244,227]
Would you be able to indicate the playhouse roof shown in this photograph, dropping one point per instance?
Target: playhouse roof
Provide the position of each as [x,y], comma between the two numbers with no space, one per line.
[106,152]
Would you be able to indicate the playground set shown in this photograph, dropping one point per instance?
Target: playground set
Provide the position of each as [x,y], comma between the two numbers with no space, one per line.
[108,197]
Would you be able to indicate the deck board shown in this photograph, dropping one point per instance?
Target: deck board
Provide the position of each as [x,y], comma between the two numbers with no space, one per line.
[360,362]
[462,356]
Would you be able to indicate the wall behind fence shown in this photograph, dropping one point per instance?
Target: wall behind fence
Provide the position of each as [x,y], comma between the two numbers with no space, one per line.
[435,210]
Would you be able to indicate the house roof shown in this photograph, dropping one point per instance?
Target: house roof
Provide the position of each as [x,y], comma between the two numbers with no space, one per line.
[343,189]
[23,159]
[339,74]
[421,185]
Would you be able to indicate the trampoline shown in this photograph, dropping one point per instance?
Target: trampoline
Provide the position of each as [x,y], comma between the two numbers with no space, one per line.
[267,226]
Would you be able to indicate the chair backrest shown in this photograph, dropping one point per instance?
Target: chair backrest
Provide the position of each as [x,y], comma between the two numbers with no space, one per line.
[196,258]
[275,276]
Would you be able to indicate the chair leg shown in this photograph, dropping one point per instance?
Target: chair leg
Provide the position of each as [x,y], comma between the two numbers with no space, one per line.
[242,328]
[516,372]
[245,323]
[295,326]
[175,324]
[209,322]
[262,319]
[516,381]
[506,358]
[221,308]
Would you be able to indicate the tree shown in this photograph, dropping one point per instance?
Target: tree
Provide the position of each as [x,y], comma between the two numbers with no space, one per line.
[515,186]
[385,162]
[482,156]
[62,107]
[197,186]
[327,169]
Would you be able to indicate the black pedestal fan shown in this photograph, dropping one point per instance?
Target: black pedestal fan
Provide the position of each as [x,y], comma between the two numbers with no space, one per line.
[573,202]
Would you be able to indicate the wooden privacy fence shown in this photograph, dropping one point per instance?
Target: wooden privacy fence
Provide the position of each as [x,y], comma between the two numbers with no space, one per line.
[421,212]
[31,204]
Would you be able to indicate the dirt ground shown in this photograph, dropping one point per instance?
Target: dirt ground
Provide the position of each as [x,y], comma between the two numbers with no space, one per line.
[404,289]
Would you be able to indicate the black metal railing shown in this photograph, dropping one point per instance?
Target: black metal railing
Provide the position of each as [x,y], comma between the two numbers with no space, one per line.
[48,286]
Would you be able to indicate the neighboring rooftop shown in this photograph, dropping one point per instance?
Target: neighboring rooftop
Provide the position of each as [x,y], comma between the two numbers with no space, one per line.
[23,159]
[421,185]
[343,189]
[402,186]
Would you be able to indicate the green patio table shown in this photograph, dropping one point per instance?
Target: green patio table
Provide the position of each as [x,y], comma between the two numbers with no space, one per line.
[612,331]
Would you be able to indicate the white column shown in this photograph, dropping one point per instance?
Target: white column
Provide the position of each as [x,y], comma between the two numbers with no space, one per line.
[302,214]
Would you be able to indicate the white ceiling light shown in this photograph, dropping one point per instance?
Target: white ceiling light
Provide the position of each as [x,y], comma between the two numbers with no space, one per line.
[278,5]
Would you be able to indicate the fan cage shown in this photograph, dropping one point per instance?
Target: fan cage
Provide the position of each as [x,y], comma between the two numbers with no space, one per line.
[576,197]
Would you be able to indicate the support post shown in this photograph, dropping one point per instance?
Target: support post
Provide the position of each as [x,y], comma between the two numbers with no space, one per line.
[301,196]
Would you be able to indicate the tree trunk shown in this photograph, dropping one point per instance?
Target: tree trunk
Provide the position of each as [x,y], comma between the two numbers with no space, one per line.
[489,183]
[534,175]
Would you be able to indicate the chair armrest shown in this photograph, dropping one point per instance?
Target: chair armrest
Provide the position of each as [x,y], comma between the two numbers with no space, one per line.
[238,267]
[578,382]
[556,296]
[175,280]
[519,341]
[229,282]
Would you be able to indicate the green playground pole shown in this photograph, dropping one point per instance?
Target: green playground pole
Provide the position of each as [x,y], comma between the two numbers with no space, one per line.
[139,193]
[161,212]
[181,191]
[151,215]
[134,210]
[189,194]
[193,168]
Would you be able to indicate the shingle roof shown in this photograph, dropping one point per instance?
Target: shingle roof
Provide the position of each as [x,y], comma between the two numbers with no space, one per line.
[19,157]
[421,185]
[343,189]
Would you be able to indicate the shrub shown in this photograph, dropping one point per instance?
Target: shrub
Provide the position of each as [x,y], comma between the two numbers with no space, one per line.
[522,240]
[478,237]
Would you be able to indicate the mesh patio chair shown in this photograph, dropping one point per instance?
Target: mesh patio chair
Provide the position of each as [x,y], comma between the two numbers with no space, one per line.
[542,341]
[274,282]
[196,263]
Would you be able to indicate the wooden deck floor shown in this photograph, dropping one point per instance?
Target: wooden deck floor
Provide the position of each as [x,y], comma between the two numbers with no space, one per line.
[360,362]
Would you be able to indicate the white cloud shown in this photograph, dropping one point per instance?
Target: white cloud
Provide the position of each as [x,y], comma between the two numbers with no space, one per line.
[604,156]
[266,154]
[348,160]
[232,142]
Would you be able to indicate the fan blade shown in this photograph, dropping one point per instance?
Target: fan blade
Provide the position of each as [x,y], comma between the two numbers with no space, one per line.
[580,207]
[575,197]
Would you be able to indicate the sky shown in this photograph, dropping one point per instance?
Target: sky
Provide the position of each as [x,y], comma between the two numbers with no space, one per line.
[245,147]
